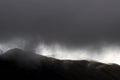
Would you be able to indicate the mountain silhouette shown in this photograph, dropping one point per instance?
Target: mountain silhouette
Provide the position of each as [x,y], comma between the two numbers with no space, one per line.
[17,64]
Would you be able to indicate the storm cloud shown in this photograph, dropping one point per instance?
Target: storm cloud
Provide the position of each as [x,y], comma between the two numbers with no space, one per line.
[75,22]
[77,25]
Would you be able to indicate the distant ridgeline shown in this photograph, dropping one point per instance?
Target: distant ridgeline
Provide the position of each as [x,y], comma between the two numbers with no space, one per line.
[16,64]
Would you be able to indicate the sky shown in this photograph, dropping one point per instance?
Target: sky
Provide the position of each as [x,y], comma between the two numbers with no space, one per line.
[89,25]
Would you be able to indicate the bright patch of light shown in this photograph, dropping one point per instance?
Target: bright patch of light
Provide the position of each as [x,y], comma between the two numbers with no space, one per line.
[106,54]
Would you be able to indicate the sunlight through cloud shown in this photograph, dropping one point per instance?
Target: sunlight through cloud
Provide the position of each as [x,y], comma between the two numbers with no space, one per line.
[106,54]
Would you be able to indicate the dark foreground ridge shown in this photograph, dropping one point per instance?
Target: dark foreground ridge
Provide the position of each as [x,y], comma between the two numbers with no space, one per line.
[17,64]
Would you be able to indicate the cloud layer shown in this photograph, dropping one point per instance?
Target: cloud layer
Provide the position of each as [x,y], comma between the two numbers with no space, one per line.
[71,22]
[76,24]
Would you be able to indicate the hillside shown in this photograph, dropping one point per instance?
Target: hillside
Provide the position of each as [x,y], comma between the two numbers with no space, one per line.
[17,64]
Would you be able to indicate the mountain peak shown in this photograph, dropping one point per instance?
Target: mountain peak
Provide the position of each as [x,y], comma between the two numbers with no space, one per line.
[19,62]
[15,50]
[20,55]
[25,57]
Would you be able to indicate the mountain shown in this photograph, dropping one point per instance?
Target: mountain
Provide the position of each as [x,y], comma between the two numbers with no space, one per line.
[17,64]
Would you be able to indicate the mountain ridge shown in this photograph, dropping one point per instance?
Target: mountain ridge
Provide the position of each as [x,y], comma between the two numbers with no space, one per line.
[31,66]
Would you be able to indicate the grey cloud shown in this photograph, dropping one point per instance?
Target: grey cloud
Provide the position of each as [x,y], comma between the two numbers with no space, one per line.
[75,21]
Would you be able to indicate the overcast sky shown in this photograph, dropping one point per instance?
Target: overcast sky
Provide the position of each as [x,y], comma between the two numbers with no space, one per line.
[75,22]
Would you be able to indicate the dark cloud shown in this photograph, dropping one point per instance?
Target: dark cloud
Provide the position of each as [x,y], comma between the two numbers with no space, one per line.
[75,22]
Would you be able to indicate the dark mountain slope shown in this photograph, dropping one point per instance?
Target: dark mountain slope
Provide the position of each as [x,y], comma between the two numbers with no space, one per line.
[17,64]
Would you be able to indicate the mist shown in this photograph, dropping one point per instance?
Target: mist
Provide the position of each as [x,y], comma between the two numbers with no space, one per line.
[104,52]
[74,29]
[107,53]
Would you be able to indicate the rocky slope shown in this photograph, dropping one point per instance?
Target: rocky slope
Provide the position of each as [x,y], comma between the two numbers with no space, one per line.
[17,64]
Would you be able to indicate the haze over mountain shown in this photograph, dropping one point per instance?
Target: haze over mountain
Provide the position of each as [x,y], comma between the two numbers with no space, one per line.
[17,64]
[65,30]
[84,27]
